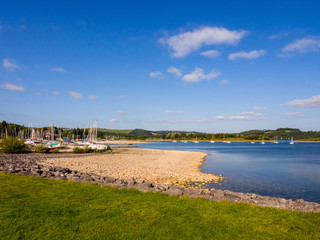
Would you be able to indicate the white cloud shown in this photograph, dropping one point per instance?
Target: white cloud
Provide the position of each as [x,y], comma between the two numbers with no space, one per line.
[188,42]
[75,95]
[247,55]
[39,94]
[121,113]
[10,65]
[175,71]
[55,93]
[93,97]
[13,87]
[314,101]
[156,74]
[211,53]
[251,113]
[173,112]
[184,121]
[224,82]
[294,115]
[197,75]
[307,44]
[113,120]
[123,97]
[239,117]
[57,69]
[247,113]
[275,36]
[259,108]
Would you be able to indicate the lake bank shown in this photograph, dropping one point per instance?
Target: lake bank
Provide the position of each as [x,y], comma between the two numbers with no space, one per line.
[157,166]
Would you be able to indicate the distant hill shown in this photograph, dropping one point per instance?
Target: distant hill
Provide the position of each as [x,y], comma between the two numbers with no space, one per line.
[283,133]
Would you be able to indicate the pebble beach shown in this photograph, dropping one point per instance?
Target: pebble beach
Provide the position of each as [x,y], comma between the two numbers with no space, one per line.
[157,166]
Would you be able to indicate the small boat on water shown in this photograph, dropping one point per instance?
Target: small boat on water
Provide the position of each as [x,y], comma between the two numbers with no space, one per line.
[196,141]
[252,142]
[291,142]
[212,139]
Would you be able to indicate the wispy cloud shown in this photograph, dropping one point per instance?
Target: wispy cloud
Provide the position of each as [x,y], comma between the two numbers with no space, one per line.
[198,75]
[122,96]
[314,101]
[274,36]
[121,113]
[251,113]
[211,53]
[238,117]
[57,69]
[113,120]
[13,87]
[156,74]
[184,121]
[224,82]
[173,112]
[212,119]
[247,55]
[39,94]
[55,92]
[75,95]
[294,115]
[259,108]
[304,45]
[93,97]
[175,71]
[185,43]
[10,65]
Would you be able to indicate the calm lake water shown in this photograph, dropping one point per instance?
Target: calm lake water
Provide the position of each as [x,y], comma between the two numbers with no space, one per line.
[277,170]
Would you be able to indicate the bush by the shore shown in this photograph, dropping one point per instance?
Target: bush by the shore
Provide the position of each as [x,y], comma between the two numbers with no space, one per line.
[42,149]
[85,149]
[13,145]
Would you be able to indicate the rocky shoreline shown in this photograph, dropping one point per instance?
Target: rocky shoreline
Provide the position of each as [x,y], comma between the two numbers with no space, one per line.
[28,164]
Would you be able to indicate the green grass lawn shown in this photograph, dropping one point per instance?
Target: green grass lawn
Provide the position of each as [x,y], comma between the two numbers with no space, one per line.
[36,208]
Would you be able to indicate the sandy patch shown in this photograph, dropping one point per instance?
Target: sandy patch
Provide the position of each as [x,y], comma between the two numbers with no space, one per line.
[157,166]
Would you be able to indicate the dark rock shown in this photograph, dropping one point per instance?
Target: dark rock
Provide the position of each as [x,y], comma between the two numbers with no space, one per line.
[28,164]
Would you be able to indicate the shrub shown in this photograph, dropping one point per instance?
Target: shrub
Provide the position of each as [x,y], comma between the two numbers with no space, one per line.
[109,148]
[14,145]
[56,150]
[42,149]
[86,149]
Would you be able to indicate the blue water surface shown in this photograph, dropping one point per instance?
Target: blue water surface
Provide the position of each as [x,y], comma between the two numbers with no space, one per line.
[277,170]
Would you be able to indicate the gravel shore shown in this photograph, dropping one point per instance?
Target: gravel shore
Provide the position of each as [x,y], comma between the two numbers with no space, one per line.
[157,166]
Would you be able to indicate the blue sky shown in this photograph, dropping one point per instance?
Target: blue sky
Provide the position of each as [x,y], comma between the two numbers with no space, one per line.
[213,66]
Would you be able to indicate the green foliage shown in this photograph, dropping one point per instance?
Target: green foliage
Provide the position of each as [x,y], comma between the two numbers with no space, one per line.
[109,148]
[256,137]
[55,150]
[41,148]
[38,208]
[85,149]
[13,145]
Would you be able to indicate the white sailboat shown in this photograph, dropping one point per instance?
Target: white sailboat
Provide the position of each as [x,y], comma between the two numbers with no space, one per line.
[196,141]
[262,142]
[291,142]
[212,139]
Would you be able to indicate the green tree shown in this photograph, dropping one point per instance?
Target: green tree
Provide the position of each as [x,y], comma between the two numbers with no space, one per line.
[13,145]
